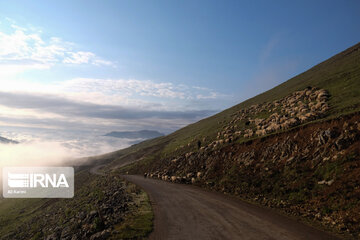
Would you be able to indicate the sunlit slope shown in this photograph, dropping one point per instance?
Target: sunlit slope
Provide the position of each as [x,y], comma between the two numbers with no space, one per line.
[339,75]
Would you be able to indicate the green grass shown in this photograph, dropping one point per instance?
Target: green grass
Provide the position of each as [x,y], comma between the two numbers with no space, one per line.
[13,211]
[16,212]
[138,224]
[339,75]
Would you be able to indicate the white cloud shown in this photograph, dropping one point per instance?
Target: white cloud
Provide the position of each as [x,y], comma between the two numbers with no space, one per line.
[212,95]
[99,61]
[87,103]
[85,58]
[128,93]
[8,70]
[22,49]
[104,104]
[131,87]
[79,57]
[33,154]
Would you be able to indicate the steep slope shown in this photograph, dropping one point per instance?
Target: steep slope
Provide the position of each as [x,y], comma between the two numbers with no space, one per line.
[339,76]
[311,172]
[292,147]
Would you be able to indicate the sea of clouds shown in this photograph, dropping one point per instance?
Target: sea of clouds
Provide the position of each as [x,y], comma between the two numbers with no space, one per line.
[56,148]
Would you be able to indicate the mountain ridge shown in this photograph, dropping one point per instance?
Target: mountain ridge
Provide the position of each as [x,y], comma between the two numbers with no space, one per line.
[6,141]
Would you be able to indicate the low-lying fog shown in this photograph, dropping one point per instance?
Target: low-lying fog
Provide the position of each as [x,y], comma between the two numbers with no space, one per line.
[54,148]
[48,148]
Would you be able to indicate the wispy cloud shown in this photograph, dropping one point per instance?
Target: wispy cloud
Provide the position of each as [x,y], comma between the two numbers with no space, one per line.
[56,112]
[24,48]
[125,87]
[87,103]
[66,107]
[143,88]
[85,58]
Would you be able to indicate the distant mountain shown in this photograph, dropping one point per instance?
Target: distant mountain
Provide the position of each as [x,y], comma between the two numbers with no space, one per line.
[144,134]
[5,140]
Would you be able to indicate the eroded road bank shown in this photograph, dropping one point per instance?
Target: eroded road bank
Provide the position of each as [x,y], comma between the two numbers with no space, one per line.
[187,212]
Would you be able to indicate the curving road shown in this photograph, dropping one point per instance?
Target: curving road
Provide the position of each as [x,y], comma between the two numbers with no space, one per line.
[188,212]
[97,170]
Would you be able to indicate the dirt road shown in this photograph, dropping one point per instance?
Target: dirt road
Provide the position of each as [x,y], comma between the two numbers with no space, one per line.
[187,212]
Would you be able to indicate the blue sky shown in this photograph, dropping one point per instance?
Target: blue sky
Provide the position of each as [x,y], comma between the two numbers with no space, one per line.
[129,65]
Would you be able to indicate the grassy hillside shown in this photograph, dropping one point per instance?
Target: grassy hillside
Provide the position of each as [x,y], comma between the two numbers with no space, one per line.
[339,75]
[103,206]
[294,148]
